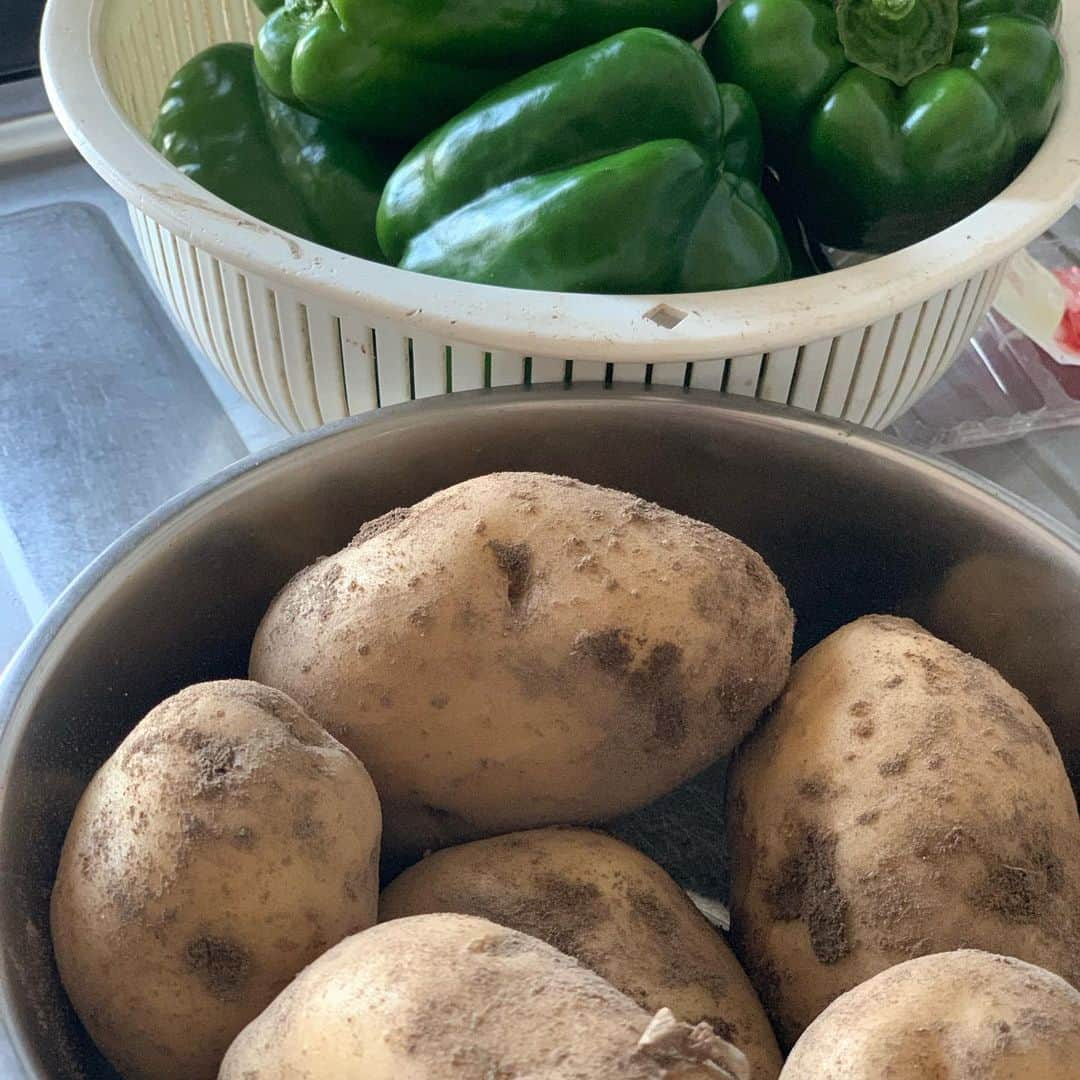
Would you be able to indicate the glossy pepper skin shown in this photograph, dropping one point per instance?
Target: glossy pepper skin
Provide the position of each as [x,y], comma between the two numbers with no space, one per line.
[875,165]
[619,168]
[399,68]
[222,128]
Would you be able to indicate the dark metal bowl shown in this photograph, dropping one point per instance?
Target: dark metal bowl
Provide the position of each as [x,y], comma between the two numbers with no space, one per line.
[850,523]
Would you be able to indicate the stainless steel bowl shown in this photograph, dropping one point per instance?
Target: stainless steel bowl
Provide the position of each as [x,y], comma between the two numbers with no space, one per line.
[850,522]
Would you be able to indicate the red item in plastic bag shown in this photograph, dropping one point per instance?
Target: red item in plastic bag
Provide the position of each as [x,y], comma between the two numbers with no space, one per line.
[1068,333]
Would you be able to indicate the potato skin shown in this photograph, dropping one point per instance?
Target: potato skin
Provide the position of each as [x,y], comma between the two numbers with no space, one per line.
[523,650]
[226,843]
[964,1013]
[433,994]
[605,904]
[903,799]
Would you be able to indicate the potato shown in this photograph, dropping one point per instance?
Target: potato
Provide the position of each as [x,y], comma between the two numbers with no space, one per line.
[432,995]
[523,650]
[954,1014]
[607,905]
[903,799]
[226,843]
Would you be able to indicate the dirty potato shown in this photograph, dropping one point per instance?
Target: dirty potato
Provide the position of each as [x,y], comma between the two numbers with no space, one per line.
[903,799]
[597,899]
[523,650]
[954,1014]
[226,843]
[432,995]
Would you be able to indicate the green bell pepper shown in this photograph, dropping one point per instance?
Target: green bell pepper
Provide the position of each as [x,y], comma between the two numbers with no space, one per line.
[892,119]
[399,68]
[221,127]
[619,168]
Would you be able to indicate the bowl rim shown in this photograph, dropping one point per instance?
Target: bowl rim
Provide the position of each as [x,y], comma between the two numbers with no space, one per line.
[15,676]
[20,675]
[584,326]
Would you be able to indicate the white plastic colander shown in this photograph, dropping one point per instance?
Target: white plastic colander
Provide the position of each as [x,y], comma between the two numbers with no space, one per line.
[311,335]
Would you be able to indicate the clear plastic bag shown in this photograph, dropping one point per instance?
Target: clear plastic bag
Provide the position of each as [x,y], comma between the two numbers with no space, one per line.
[1003,385]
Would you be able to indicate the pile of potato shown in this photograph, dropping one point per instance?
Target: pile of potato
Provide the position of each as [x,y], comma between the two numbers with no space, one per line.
[453,697]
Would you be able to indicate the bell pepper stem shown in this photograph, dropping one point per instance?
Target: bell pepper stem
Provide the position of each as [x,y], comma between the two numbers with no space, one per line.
[897,39]
[892,9]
